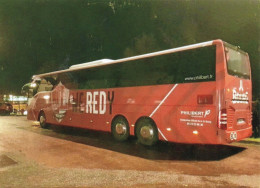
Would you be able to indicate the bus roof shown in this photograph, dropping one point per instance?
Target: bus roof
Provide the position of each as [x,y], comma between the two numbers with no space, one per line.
[104,62]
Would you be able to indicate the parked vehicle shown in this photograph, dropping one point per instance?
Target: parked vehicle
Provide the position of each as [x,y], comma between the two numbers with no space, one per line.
[5,108]
[195,94]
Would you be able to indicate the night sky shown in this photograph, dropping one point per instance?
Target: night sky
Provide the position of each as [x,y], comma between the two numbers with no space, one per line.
[38,36]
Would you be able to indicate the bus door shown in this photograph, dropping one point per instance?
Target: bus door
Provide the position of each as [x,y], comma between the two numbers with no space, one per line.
[60,103]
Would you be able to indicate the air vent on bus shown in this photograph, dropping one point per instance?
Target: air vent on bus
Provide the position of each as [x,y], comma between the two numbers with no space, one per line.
[231,116]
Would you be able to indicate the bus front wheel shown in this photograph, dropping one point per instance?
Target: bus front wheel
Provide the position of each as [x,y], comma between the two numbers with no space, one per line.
[120,128]
[42,120]
[146,132]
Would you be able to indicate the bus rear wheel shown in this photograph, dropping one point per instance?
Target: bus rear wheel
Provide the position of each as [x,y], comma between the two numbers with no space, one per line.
[146,132]
[42,120]
[120,128]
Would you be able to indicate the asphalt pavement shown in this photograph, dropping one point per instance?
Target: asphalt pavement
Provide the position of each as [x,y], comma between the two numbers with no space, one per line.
[68,157]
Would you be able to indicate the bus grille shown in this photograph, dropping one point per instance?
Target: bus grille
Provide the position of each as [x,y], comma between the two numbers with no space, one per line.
[230,116]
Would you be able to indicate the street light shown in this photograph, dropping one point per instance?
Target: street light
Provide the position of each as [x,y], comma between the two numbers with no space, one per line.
[11,97]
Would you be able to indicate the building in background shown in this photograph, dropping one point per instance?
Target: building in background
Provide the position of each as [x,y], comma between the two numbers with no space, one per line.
[19,103]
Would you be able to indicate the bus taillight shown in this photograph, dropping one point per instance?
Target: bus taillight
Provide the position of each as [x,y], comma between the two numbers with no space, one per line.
[223,119]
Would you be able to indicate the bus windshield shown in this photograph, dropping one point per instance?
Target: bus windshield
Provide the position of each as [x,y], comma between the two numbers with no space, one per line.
[237,63]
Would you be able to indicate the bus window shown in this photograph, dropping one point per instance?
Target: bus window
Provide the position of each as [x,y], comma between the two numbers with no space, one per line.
[45,86]
[237,64]
[197,65]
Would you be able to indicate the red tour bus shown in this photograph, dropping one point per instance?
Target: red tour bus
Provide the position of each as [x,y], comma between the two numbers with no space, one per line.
[197,94]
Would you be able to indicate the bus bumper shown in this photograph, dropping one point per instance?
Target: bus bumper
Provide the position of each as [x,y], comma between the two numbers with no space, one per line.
[235,135]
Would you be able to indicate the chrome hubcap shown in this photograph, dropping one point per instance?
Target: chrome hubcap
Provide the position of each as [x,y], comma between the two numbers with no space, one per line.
[121,128]
[147,132]
[42,119]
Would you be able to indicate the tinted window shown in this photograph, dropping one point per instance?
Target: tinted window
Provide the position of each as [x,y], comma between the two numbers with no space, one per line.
[196,65]
[237,63]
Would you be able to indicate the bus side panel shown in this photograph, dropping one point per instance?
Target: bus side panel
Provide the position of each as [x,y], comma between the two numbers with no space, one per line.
[181,119]
[174,109]
[137,102]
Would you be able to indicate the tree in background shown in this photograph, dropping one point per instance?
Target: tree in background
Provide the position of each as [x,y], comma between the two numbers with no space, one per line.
[42,36]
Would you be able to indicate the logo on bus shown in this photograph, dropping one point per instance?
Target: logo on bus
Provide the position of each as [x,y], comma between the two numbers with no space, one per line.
[96,102]
[240,96]
[59,115]
[195,118]
[196,113]
[89,102]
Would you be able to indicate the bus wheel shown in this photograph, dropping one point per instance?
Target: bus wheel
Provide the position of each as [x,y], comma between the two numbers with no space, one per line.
[42,120]
[146,132]
[120,128]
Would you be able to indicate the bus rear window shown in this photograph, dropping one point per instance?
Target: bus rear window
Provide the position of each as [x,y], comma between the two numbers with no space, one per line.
[237,64]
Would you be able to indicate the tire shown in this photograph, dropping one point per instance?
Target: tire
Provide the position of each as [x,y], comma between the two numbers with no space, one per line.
[42,120]
[146,132]
[120,129]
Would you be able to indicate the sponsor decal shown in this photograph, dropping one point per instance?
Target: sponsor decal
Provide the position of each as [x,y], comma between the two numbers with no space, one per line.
[200,77]
[92,102]
[195,118]
[89,102]
[59,103]
[196,113]
[92,99]
[240,96]
[59,115]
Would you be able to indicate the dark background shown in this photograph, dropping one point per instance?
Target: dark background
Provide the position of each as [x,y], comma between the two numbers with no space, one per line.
[38,36]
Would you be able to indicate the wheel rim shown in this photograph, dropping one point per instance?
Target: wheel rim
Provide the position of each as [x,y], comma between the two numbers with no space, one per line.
[147,132]
[42,120]
[121,128]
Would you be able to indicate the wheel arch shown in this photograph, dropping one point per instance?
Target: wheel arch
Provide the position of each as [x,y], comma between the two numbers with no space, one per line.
[40,112]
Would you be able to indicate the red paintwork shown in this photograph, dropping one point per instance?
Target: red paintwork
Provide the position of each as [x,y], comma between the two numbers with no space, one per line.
[174,113]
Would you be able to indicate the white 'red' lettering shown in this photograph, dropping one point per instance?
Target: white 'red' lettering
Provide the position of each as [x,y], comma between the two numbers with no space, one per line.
[92,100]
[95,111]
[89,102]
[102,100]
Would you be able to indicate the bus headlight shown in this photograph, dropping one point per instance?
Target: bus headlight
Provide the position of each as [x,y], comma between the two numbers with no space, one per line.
[46,97]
